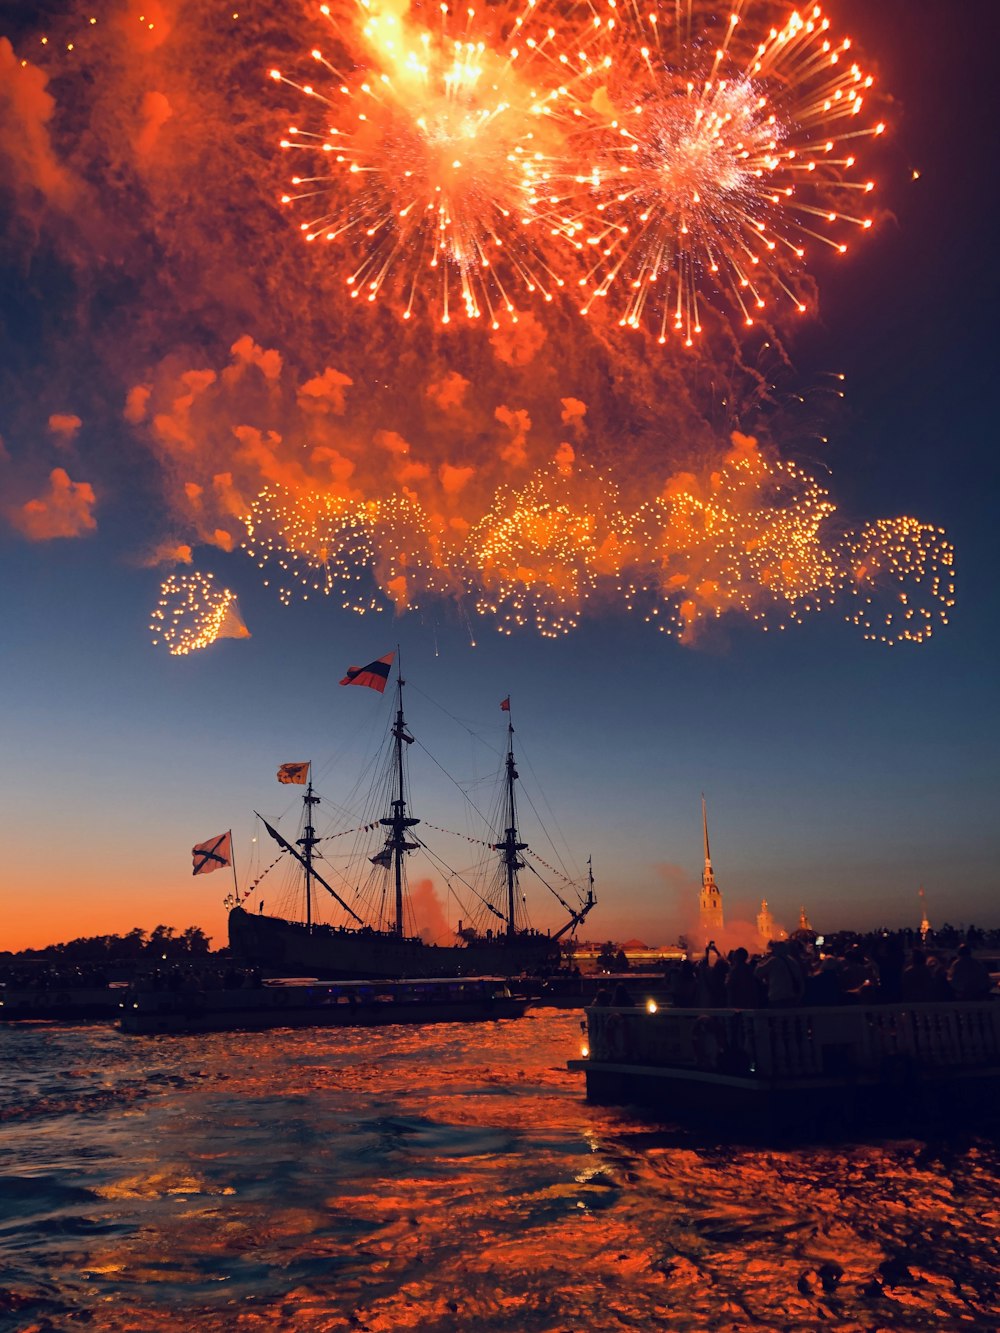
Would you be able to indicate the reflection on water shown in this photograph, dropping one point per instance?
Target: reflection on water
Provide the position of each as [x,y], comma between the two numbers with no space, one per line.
[441,1179]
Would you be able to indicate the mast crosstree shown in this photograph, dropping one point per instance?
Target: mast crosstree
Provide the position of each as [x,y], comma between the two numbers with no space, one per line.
[511,848]
[307,842]
[397,844]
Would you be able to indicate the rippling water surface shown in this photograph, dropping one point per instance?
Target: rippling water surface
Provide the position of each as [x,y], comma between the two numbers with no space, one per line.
[447,1178]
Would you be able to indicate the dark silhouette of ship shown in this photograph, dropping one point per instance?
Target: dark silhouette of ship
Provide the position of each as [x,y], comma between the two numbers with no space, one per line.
[372,940]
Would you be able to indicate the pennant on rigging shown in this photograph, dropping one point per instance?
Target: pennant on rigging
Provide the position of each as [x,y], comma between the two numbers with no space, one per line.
[213,854]
[294,773]
[375,675]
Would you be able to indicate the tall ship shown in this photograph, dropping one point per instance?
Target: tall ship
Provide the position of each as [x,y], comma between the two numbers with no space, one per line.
[372,933]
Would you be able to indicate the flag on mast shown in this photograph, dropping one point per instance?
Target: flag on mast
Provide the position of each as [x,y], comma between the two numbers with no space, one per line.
[213,854]
[375,675]
[298,773]
[505,705]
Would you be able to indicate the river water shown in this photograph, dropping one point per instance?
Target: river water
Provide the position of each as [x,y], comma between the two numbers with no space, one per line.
[448,1178]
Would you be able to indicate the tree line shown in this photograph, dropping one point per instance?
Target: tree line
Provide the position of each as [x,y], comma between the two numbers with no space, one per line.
[161,943]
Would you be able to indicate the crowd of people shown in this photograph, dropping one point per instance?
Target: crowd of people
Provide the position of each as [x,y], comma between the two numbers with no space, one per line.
[796,972]
[179,978]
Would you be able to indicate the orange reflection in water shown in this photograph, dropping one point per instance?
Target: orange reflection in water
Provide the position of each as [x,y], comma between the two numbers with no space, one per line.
[452,1178]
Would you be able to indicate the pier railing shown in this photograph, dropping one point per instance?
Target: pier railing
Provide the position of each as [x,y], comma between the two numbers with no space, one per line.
[841,1041]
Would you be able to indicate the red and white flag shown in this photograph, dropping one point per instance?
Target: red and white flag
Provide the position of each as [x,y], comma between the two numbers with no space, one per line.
[213,855]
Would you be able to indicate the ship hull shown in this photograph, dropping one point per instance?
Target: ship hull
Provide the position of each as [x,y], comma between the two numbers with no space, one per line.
[288,948]
[288,1003]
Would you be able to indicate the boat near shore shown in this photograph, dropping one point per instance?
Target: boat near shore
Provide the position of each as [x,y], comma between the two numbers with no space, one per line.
[372,931]
[64,1004]
[146,1010]
[791,1069]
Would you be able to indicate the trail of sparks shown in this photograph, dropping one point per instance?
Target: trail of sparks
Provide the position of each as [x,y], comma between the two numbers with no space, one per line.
[428,162]
[714,164]
[457,161]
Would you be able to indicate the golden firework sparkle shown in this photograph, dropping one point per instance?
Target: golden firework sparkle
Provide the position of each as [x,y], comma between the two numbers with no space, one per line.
[717,157]
[537,557]
[901,574]
[751,535]
[368,555]
[193,612]
[429,162]
[748,537]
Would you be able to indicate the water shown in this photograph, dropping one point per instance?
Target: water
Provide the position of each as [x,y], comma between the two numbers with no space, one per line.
[447,1179]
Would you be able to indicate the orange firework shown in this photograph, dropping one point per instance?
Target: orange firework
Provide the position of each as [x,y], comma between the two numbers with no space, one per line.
[193,612]
[316,543]
[901,573]
[369,554]
[715,157]
[429,159]
[749,537]
[536,558]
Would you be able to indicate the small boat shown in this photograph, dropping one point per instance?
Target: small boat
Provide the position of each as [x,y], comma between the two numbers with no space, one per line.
[795,1069]
[579,991]
[295,1002]
[59,1003]
[371,933]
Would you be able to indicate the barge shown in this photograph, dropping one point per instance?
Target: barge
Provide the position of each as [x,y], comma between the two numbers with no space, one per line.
[797,1068]
[313,1003]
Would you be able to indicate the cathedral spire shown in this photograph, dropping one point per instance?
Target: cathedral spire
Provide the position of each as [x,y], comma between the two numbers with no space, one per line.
[710,899]
[704,825]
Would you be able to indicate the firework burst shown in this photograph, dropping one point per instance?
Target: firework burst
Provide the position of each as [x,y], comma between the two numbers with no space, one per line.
[750,537]
[715,162]
[900,573]
[369,554]
[316,544]
[429,163]
[537,557]
[193,612]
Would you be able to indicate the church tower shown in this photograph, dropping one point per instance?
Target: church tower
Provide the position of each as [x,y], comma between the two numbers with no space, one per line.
[765,924]
[710,899]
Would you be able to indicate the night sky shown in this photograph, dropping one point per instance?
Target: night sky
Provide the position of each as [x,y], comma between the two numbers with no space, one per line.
[139,242]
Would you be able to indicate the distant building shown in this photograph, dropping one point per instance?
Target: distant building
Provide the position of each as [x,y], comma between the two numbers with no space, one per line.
[765,924]
[925,925]
[710,899]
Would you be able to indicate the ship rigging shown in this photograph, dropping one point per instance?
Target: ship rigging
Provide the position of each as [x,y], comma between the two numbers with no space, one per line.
[377,935]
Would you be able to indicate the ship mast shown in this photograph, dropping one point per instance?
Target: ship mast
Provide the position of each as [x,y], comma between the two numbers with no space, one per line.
[307,842]
[510,847]
[398,822]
